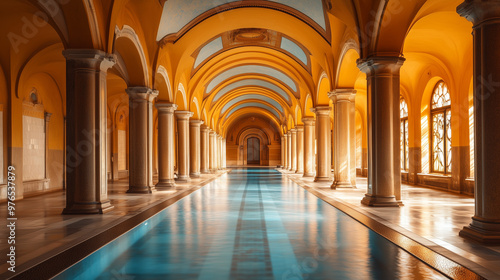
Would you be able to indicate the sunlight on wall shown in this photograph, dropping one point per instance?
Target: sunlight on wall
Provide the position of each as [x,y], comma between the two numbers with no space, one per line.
[424,124]
[34,148]
[122,150]
[359,140]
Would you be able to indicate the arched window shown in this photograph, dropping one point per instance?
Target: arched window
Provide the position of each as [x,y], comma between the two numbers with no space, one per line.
[441,129]
[403,139]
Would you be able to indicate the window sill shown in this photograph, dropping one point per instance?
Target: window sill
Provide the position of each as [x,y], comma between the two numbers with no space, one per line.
[435,175]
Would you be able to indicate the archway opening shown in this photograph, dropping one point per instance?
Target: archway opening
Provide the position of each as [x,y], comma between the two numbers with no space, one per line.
[253,150]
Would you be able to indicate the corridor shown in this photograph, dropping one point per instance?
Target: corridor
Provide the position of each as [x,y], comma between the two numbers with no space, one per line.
[251,224]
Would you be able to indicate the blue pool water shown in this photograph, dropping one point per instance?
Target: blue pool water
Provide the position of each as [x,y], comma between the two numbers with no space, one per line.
[250,224]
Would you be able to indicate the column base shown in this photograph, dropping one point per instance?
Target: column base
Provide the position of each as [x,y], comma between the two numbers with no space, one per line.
[342,185]
[299,172]
[195,175]
[141,189]
[322,179]
[88,208]
[166,185]
[381,201]
[205,172]
[482,231]
[183,178]
[309,175]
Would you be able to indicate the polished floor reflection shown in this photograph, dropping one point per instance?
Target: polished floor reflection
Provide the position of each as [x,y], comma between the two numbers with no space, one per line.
[252,224]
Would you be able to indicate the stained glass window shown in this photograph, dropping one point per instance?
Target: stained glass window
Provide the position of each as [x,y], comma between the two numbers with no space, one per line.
[441,129]
[403,140]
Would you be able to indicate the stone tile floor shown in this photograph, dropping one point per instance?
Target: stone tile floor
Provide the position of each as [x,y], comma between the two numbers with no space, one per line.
[41,230]
[429,216]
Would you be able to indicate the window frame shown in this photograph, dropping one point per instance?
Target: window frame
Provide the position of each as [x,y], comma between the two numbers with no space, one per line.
[436,111]
[403,121]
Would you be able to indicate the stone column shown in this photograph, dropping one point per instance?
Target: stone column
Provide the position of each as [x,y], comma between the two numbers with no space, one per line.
[141,139]
[283,157]
[86,96]
[205,150]
[224,153]
[216,149]
[485,16]
[195,148]
[309,124]
[183,145]
[300,149]
[323,137]
[166,140]
[294,150]
[213,168]
[345,138]
[47,119]
[289,150]
[219,152]
[384,169]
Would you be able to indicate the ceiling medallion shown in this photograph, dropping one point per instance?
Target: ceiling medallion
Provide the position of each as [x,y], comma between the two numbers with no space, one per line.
[250,35]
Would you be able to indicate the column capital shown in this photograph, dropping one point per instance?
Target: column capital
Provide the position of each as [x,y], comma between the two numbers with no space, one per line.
[308,120]
[343,95]
[90,58]
[212,133]
[380,64]
[185,115]
[196,122]
[47,116]
[321,110]
[166,107]
[142,93]
[293,130]
[299,127]
[204,128]
[479,11]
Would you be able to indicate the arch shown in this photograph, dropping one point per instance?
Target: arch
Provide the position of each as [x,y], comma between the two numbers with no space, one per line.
[323,89]
[260,83]
[181,99]
[178,17]
[308,105]
[264,140]
[248,97]
[205,118]
[128,46]
[298,115]
[347,69]
[248,113]
[260,105]
[162,71]
[251,69]
[197,111]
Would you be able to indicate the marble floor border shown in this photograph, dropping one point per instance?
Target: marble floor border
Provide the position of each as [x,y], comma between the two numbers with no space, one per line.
[450,264]
[52,263]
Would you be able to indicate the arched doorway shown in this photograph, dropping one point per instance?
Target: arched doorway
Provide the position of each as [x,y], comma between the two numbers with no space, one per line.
[253,150]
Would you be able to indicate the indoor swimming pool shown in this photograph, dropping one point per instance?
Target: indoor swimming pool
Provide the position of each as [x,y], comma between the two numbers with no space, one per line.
[251,224]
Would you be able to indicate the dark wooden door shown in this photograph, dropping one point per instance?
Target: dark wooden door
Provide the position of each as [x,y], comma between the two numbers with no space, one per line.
[253,150]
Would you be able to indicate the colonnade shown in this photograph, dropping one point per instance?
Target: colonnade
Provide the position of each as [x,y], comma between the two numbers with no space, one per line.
[383,95]
[199,149]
